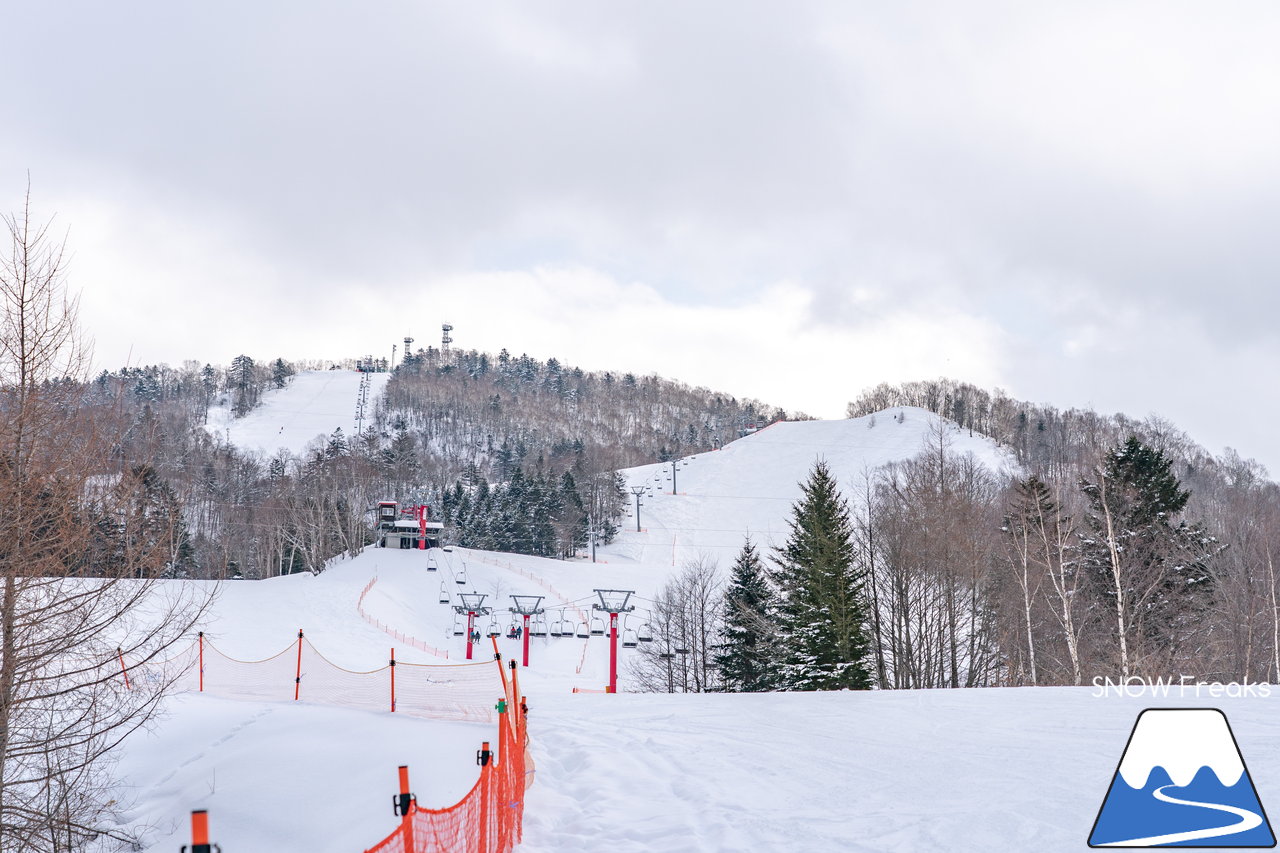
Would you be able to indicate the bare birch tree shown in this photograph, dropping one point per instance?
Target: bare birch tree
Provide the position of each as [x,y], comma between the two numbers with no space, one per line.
[81,555]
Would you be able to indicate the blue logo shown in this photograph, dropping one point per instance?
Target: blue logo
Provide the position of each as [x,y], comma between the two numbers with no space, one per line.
[1182,782]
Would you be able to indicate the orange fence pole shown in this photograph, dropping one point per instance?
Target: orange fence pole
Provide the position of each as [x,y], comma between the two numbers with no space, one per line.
[393,679]
[483,757]
[297,679]
[405,804]
[123,671]
[497,655]
[200,832]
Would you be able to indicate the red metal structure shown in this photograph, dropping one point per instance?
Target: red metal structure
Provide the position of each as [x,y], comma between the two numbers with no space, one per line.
[526,606]
[613,602]
[472,605]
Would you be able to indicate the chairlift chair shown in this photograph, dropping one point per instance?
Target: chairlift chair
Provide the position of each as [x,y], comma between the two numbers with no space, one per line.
[597,626]
[493,627]
[458,628]
[444,594]
[583,631]
[431,564]
[566,628]
[629,640]
[645,633]
[537,628]
[461,577]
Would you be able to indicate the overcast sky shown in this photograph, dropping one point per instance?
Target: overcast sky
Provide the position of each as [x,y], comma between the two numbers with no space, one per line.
[1076,202]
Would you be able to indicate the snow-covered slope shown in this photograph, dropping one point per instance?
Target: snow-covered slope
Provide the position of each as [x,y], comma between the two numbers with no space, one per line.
[962,770]
[749,486]
[954,770]
[314,403]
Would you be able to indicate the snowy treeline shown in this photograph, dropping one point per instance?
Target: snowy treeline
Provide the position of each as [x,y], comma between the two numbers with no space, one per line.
[487,441]
[1120,548]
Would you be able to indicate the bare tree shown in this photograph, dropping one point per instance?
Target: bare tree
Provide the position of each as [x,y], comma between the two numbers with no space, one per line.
[687,616]
[82,552]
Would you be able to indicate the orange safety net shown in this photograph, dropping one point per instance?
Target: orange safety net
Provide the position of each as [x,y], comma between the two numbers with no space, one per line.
[489,819]
[461,692]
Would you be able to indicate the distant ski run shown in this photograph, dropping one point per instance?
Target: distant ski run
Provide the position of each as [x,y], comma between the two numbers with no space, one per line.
[1248,820]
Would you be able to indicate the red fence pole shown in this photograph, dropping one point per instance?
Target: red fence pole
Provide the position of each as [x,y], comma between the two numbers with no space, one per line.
[497,655]
[297,679]
[404,806]
[200,640]
[200,832]
[123,671]
[526,639]
[483,758]
[393,679]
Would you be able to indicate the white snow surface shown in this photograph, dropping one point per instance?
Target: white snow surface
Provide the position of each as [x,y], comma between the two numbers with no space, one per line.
[749,486]
[953,770]
[313,403]
[911,771]
[1181,742]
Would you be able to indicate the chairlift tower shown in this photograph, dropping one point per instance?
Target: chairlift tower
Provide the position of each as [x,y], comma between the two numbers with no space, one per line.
[526,606]
[637,491]
[445,340]
[613,602]
[472,605]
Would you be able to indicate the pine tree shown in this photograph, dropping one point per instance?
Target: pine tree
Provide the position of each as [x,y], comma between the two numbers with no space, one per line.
[1150,571]
[822,615]
[746,662]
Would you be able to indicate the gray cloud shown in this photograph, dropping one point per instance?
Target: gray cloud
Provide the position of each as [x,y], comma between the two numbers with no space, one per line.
[1085,178]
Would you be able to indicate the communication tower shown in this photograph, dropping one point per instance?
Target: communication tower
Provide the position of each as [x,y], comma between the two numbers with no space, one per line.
[445,340]
[407,341]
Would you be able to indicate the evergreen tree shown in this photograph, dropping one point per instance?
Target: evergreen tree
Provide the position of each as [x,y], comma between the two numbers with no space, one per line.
[746,661]
[280,372]
[1150,569]
[822,615]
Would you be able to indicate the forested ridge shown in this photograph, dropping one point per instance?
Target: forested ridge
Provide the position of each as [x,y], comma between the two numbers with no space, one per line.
[1120,547]
[513,453]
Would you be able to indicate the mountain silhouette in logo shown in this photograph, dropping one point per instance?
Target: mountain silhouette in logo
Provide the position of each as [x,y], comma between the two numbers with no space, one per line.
[1181,783]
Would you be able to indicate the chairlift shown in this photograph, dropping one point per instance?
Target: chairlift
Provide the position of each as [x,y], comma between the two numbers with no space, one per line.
[645,633]
[444,594]
[493,627]
[458,628]
[461,577]
[583,632]
[680,651]
[431,564]
[566,628]
[537,628]
[629,640]
[597,626]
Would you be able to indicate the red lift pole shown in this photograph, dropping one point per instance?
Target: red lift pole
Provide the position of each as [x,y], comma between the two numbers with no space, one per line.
[526,606]
[613,652]
[472,605]
[471,621]
[526,639]
[613,602]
